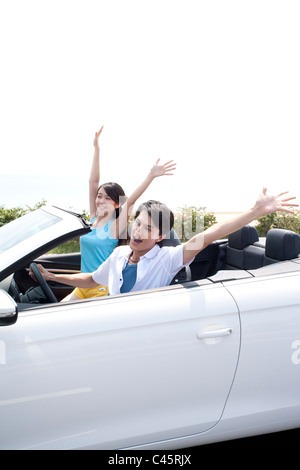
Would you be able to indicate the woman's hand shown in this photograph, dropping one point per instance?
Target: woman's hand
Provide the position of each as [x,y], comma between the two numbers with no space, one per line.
[96,138]
[161,170]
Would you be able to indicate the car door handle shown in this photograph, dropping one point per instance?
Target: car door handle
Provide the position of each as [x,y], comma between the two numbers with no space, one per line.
[214,333]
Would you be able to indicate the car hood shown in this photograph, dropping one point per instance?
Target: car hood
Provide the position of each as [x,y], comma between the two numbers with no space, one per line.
[35,233]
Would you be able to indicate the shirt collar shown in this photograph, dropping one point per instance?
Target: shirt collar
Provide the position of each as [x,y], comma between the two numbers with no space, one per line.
[152,253]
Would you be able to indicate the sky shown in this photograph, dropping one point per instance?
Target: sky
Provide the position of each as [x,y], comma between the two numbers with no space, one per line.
[213,85]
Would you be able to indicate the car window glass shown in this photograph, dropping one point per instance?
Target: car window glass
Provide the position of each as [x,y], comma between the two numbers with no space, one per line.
[24,227]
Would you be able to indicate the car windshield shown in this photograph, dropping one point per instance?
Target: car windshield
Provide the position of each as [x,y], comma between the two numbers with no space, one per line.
[24,227]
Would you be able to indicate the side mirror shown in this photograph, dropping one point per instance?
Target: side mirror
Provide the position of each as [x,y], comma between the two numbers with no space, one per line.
[8,309]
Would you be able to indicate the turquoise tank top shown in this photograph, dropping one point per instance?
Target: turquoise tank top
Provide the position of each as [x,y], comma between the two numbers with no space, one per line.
[96,246]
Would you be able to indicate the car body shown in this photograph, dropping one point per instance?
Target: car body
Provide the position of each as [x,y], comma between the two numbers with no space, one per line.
[212,357]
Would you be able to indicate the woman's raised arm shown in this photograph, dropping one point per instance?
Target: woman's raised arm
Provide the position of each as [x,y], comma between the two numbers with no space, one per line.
[94,175]
[157,170]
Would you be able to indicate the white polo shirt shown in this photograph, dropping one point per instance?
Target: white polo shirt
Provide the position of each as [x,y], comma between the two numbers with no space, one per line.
[155,269]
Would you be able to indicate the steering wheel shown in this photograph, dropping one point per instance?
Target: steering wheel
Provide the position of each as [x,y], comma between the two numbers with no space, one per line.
[43,284]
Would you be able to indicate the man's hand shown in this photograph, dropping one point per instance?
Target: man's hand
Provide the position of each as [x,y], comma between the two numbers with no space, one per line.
[266,204]
[46,274]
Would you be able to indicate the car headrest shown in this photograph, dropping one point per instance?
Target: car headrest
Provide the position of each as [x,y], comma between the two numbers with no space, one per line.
[244,237]
[171,239]
[282,244]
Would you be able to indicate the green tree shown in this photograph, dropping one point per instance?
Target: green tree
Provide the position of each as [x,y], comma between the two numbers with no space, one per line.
[188,221]
[278,220]
[7,215]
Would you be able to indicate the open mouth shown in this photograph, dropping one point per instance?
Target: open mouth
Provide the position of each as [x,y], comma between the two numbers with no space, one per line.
[137,241]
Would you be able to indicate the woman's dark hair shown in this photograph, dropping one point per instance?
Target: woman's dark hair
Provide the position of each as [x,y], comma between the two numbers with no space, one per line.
[161,215]
[117,194]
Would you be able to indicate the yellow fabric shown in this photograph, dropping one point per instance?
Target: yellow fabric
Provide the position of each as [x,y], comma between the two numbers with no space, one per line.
[98,291]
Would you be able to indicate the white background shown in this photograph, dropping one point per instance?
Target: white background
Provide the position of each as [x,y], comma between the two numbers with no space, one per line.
[213,85]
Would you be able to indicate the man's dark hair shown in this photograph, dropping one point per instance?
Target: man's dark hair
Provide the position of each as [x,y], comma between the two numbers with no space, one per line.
[161,215]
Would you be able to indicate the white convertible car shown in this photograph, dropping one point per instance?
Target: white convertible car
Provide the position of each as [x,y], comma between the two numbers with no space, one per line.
[212,357]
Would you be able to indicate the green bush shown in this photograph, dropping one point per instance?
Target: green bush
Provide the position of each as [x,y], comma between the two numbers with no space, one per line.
[278,220]
[71,246]
[7,215]
[188,221]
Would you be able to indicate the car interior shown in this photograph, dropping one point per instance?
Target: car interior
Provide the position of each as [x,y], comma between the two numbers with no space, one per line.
[242,255]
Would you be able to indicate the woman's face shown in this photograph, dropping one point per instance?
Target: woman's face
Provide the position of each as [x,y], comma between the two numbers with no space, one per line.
[105,204]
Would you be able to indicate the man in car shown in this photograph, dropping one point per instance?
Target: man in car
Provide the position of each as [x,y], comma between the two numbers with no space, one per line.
[143,264]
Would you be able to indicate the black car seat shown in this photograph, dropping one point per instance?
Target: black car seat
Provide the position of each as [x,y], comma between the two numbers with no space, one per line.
[281,245]
[237,244]
[184,274]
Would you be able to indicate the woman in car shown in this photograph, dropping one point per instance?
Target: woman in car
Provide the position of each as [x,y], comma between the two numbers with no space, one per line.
[109,213]
[143,264]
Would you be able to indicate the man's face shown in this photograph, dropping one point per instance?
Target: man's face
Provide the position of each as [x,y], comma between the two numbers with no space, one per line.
[144,234]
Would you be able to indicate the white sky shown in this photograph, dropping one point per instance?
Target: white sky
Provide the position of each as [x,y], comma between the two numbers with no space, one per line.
[214,85]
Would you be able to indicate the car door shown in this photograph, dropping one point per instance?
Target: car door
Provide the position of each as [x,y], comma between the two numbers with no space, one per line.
[265,396]
[118,371]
